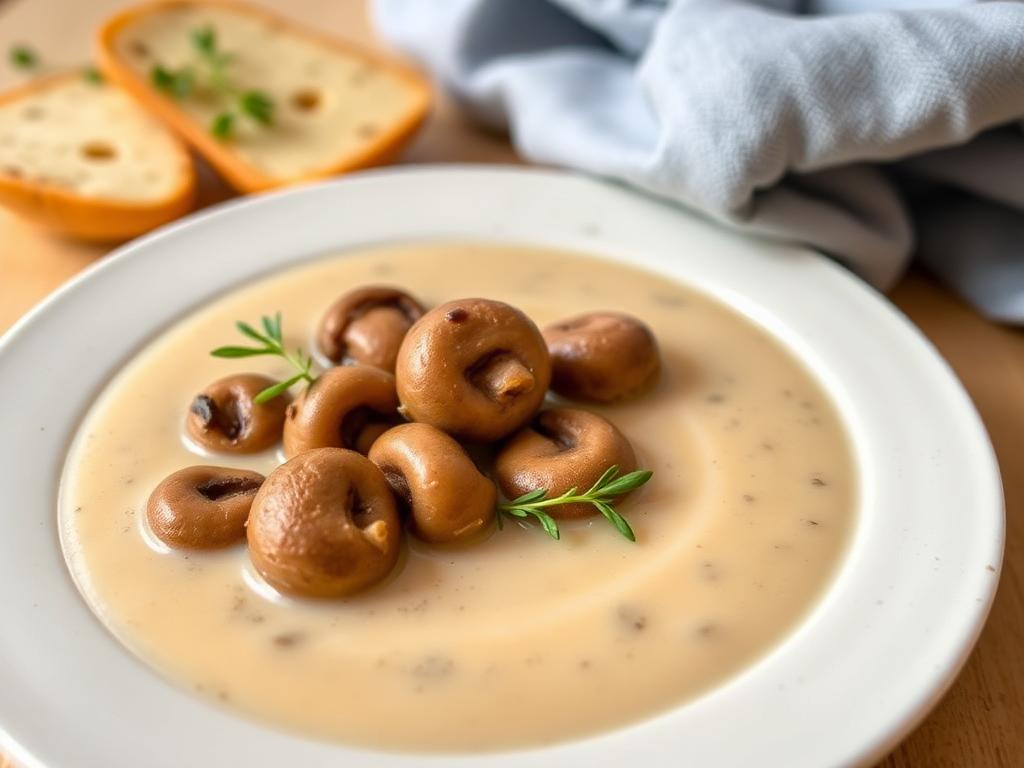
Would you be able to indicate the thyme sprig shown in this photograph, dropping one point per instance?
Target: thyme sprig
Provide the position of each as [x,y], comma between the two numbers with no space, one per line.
[211,72]
[602,495]
[272,344]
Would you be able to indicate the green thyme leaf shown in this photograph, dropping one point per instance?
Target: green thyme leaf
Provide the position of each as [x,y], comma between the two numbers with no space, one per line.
[278,389]
[526,498]
[626,483]
[252,333]
[272,325]
[546,521]
[93,75]
[606,477]
[175,83]
[23,57]
[223,126]
[616,519]
[257,105]
[549,525]
[240,352]
[204,40]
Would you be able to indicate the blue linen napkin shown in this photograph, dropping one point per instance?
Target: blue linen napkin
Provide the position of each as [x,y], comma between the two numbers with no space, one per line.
[867,129]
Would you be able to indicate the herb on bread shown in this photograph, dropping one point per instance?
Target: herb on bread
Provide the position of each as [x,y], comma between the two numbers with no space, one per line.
[223,126]
[93,75]
[23,57]
[176,83]
[602,495]
[258,106]
[210,73]
[271,343]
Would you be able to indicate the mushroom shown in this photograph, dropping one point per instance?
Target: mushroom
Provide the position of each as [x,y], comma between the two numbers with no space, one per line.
[346,407]
[601,356]
[223,417]
[447,497]
[367,326]
[475,368]
[324,524]
[202,507]
[563,448]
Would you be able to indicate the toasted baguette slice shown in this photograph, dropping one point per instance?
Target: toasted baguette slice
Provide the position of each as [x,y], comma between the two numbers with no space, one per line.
[83,159]
[336,107]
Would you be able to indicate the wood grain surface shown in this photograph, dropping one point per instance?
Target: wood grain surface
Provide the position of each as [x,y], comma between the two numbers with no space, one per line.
[980,722]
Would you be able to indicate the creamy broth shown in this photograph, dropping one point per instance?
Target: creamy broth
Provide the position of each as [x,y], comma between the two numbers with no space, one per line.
[518,640]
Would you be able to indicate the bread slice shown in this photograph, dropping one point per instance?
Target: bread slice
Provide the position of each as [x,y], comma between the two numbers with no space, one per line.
[82,158]
[336,107]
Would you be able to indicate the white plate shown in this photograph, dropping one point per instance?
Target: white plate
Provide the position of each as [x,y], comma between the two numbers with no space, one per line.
[873,657]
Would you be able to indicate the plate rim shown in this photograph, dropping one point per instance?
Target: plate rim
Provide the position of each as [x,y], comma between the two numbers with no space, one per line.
[496,178]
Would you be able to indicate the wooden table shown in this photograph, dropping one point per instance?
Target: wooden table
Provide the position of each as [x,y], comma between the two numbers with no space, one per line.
[981,721]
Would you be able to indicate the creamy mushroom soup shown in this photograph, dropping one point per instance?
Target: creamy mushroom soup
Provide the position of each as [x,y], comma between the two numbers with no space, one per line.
[517,640]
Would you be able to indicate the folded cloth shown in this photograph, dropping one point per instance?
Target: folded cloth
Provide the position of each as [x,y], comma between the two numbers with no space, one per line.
[832,123]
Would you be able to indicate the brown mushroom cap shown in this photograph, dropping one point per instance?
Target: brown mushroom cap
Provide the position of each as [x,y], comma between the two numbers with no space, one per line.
[447,497]
[202,507]
[324,524]
[601,356]
[223,417]
[367,326]
[344,408]
[475,368]
[562,449]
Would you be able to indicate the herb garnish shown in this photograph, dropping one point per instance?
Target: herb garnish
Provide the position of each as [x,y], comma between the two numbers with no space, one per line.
[273,344]
[223,126]
[23,57]
[211,74]
[177,83]
[602,495]
[93,75]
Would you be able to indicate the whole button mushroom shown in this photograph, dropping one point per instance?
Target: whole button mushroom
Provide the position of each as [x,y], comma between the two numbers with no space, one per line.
[447,497]
[346,407]
[601,356]
[202,507]
[564,448]
[324,524]
[475,368]
[367,326]
[223,417]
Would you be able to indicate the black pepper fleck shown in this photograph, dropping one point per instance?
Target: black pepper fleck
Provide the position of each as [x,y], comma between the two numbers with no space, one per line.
[705,631]
[709,571]
[669,300]
[288,639]
[434,667]
[631,618]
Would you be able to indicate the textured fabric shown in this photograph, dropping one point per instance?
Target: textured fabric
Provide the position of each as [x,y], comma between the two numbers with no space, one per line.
[829,122]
